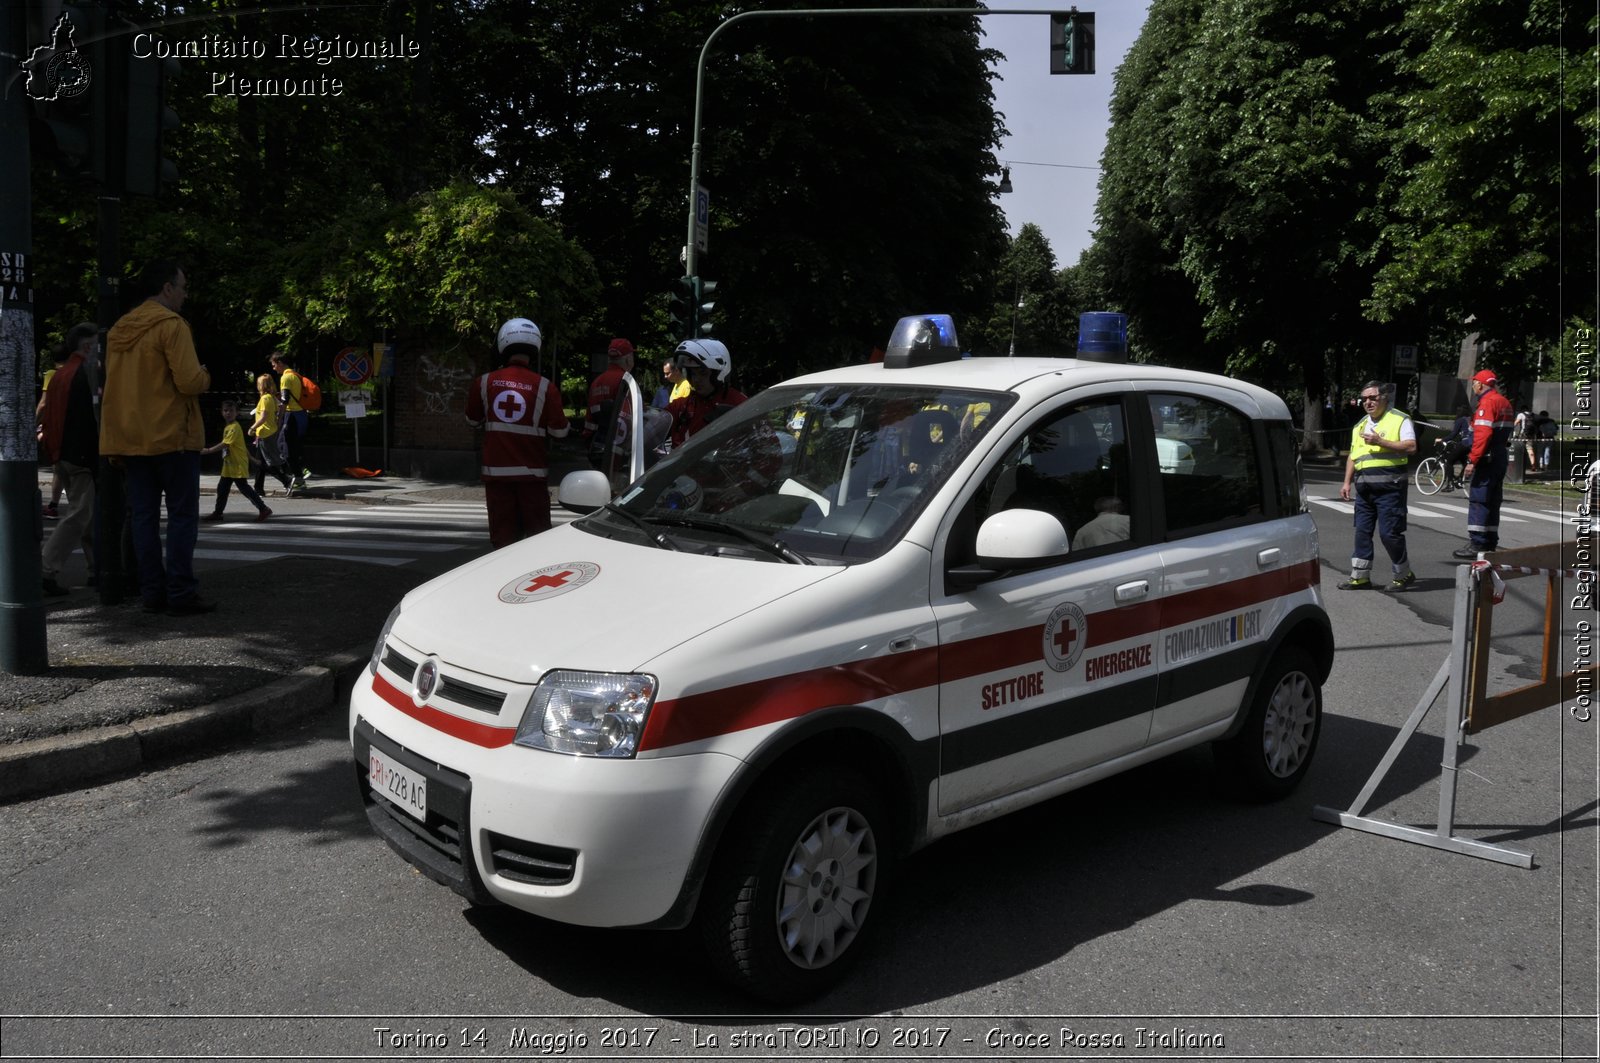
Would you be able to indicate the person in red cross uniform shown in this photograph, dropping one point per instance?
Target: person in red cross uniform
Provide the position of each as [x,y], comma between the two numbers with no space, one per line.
[518,410]
[604,392]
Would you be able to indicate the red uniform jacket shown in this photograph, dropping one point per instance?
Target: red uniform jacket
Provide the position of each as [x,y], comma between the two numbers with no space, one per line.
[1491,425]
[605,389]
[693,412]
[518,410]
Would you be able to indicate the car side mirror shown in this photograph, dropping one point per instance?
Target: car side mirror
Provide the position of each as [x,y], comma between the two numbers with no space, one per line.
[1013,540]
[584,491]
[1021,538]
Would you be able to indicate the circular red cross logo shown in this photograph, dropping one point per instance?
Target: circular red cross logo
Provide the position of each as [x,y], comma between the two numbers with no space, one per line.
[1065,635]
[551,581]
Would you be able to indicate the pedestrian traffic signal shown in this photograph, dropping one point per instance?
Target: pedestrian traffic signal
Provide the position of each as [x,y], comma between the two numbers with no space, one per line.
[685,303]
[150,119]
[65,78]
[1072,42]
[704,290]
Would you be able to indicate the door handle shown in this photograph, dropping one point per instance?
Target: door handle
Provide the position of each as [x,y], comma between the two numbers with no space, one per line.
[1132,592]
[1268,557]
[905,642]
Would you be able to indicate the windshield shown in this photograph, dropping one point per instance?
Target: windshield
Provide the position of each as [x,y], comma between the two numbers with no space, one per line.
[831,473]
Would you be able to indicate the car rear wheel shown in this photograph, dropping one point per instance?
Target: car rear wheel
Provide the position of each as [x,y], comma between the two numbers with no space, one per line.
[793,893]
[1272,751]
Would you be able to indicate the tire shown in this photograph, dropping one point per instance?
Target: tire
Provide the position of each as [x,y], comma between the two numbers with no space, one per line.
[1431,476]
[1272,751]
[792,896]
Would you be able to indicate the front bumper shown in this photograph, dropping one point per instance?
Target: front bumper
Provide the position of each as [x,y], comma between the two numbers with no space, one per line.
[579,840]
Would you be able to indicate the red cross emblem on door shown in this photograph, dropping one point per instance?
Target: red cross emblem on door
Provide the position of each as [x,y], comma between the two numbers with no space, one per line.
[1066,633]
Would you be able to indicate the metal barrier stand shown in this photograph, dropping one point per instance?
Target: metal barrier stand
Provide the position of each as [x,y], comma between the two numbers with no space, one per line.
[1453,672]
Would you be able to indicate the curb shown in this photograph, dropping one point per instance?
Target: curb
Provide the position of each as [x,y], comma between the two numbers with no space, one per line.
[58,762]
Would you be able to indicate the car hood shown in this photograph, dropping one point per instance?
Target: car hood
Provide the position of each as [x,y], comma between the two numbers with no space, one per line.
[571,599]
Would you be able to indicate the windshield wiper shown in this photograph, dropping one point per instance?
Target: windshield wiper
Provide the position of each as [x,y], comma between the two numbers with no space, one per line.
[776,546]
[659,538]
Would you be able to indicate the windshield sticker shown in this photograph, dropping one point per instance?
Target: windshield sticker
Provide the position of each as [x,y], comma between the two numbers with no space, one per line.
[1065,634]
[549,582]
[1200,639]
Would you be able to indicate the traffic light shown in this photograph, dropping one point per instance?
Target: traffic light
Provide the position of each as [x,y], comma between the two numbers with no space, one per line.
[702,307]
[66,81]
[684,307]
[150,119]
[1072,42]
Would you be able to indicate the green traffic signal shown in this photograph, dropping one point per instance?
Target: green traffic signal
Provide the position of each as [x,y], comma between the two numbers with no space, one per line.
[684,304]
[150,119]
[703,305]
[1072,42]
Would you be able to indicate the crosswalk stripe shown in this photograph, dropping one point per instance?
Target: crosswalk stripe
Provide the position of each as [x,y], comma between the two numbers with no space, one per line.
[380,535]
[353,544]
[208,554]
[1453,511]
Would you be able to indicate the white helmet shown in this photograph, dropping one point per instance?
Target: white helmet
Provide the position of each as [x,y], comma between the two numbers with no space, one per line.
[710,353]
[519,332]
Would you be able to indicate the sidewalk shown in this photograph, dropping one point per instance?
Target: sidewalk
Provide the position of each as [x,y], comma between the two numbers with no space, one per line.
[127,689]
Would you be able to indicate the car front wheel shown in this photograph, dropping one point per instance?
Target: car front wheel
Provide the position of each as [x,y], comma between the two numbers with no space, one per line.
[796,886]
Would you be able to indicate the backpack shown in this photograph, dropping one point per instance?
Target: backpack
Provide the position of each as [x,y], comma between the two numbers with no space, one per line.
[310,395]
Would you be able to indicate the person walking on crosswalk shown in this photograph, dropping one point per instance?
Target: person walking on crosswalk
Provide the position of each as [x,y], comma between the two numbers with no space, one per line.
[1381,445]
[235,466]
[518,411]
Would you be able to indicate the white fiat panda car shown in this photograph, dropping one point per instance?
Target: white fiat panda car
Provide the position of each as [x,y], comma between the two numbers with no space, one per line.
[865,609]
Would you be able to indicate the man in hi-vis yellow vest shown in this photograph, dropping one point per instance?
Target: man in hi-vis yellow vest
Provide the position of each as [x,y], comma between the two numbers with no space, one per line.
[1381,446]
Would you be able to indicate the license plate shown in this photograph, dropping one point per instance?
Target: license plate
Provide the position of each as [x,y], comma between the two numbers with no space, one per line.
[398,784]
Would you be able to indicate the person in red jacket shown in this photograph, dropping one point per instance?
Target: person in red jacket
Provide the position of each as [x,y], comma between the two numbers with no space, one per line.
[708,367]
[1486,465]
[518,410]
[604,391]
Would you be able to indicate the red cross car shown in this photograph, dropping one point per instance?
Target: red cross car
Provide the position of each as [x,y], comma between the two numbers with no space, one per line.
[865,609]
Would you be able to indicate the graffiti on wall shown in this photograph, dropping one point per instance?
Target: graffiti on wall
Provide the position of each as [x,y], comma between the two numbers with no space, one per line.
[442,384]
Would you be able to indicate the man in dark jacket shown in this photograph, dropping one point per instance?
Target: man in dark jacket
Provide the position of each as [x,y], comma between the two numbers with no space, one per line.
[72,443]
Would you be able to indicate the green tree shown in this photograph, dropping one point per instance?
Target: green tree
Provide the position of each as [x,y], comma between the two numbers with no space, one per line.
[1491,169]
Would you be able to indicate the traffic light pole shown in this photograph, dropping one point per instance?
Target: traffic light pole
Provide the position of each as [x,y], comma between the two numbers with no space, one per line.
[22,629]
[691,253]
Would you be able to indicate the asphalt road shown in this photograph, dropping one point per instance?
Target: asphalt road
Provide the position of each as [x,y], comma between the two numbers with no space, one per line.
[238,906]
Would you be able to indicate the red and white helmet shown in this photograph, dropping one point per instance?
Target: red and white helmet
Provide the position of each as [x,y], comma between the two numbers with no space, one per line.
[520,336]
[710,353]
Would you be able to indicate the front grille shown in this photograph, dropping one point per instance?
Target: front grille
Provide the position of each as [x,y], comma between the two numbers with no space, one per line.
[473,697]
[468,695]
[398,663]
[529,862]
[439,846]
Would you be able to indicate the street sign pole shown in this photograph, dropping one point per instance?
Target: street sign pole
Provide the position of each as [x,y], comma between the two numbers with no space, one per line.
[23,646]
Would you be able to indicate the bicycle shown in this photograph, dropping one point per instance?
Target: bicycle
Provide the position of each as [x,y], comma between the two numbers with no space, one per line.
[1437,474]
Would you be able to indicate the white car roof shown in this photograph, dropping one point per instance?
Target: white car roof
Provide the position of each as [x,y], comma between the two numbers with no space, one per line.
[1031,376]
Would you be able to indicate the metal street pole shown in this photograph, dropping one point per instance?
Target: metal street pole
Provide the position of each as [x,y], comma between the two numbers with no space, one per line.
[691,253]
[22,630]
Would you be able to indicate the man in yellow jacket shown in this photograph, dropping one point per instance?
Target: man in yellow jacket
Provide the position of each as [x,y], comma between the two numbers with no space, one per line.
[150,421]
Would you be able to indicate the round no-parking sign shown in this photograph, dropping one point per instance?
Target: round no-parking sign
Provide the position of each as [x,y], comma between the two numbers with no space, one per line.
[352,366]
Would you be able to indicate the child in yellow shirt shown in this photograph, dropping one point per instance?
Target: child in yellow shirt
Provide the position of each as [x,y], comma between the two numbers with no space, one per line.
[235,466]
[269,441]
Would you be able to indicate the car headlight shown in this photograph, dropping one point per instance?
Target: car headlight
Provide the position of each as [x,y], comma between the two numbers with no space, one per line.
[383,638]
[594,714]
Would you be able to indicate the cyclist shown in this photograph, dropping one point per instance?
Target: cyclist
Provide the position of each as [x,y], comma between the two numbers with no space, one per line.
[1459,442]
